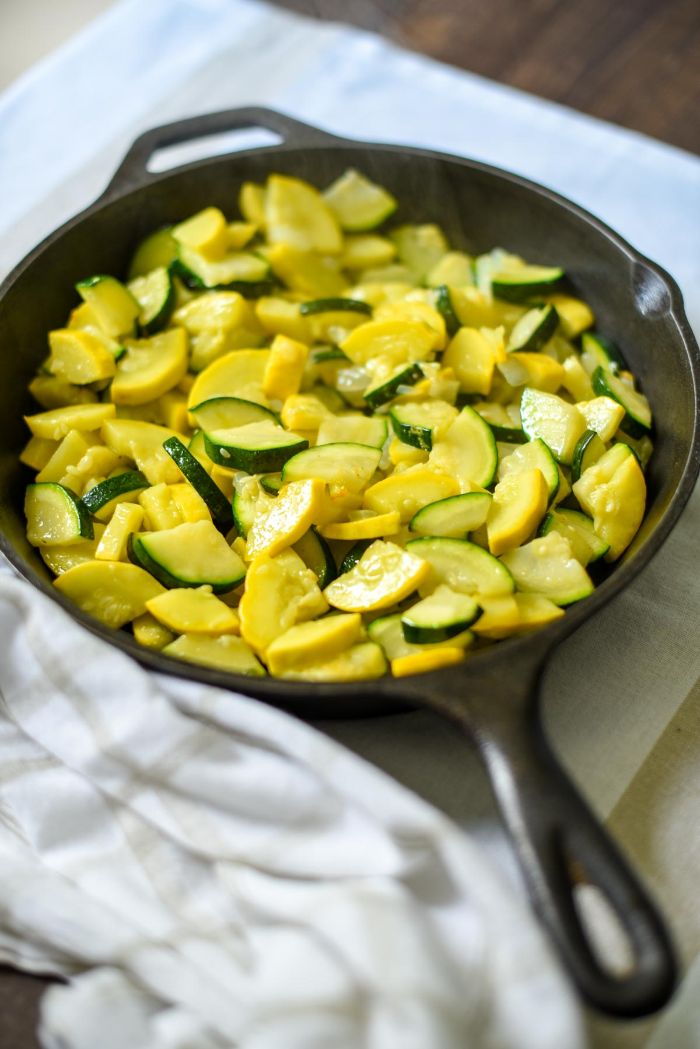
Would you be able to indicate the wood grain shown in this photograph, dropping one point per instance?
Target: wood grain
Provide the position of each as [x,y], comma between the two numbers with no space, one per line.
[633,62]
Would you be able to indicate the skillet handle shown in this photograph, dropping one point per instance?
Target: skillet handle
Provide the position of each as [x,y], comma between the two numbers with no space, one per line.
[559,843]
[133,170]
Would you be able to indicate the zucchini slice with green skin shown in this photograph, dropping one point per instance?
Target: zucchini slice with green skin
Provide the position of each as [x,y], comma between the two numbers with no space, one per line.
[533,330]
[226,413]
[244,503]
[192,554]
[637,411]
[599,352]
[443,304]
[155,250]
[589,448]
[335,304]
[350,465]
[454,517]
[509,434]
[316,554]
[579,530]
[155,294]
[387,631]
[414,423]
[255,448]
[357,203]
[55,515]
[535,455]
[321,354]
[547,566]
[438,617]
[526,282]
[463,566]
[271,483]
[116,309]
[353,555]
[113,488]
[240,271]
[388,389]
[558,423]
[193,472]
[468,451]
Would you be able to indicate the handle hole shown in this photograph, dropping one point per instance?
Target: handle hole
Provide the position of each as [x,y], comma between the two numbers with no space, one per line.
[605,934]
[168,157]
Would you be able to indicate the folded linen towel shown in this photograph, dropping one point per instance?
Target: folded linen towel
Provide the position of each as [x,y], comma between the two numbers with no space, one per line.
[210,872]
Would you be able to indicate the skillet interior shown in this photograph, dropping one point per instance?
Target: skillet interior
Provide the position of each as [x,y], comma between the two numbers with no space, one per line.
[635,304]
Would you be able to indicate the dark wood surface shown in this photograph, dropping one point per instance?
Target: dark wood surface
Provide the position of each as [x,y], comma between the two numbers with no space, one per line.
[634,62]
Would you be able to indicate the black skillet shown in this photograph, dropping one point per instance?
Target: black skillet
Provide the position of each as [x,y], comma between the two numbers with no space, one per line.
[493,697]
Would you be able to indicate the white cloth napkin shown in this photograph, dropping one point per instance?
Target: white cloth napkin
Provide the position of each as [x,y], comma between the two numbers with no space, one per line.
[210,872]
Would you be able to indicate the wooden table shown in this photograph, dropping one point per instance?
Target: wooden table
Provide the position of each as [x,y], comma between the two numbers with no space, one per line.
[634,62]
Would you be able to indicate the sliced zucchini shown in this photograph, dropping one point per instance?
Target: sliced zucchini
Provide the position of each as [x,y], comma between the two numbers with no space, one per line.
[384,575]
[354,554]
[312,643]
[113,488]
[296,214]
[246,495]
[589,448]
[322,354]
[192,554]
[443,303]
[467,451]
[559,424]
[60,558]
[463,566]
[348,465]
[197,476]
[439,617]
[533,330]
[455,516]
[112,591]
[578,529]
[150,367]
[387,631]
[420,422]
[599,352]
[336,304]
[227,413]
[271,483]
[226,653]
[357,203]
[526,282]
[113,305]
[316,554]
[156,250]
[155,294]
[547,566]
[533,455]
[635,404]
[255,448]
[403,376]
[55,515]
[420,248]
[240,271]
[353,429]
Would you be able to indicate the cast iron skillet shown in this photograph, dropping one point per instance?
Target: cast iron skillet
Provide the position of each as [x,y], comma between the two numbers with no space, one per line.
[493,696]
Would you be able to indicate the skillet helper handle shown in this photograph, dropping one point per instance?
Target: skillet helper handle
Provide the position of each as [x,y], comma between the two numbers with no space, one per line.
[133,170]
[559,843]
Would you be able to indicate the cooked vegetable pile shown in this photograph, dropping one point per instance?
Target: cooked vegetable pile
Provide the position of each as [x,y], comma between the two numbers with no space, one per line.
[292,444]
